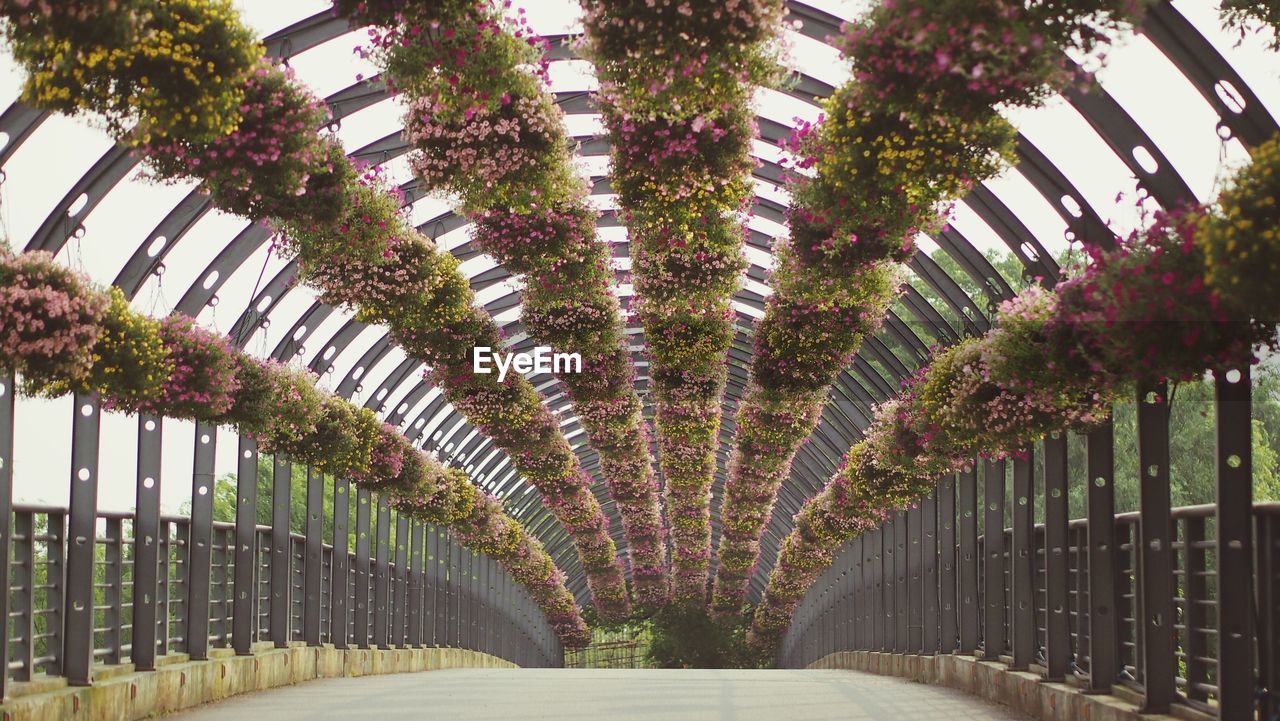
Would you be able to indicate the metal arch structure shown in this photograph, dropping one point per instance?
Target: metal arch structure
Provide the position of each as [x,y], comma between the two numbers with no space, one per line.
[405,399]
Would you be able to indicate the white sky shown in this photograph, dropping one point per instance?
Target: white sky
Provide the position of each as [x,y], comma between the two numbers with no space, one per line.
[62,149]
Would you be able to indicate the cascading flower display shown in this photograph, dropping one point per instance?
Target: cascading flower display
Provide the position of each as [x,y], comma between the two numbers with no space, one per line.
[1240,242]
[195,375]
[967,56]
[271,165]
[153,69]
[1054,361]
[419,292]
[49,319]
[344,227]
[502,154]
[202,383]
[676,80]
[915,127]
[1153,286]
[879,174]
[485,130]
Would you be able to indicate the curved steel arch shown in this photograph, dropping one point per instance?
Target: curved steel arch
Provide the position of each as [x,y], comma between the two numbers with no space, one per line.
[849,409]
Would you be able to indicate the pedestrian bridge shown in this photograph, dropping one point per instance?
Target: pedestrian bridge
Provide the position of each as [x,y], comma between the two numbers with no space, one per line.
[1008,589]
[624,695]
[382,631]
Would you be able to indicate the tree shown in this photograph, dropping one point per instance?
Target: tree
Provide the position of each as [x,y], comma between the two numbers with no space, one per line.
[224,500]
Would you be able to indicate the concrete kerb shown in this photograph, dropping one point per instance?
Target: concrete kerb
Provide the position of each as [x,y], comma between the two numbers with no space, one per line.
[1023,691]
[119,693]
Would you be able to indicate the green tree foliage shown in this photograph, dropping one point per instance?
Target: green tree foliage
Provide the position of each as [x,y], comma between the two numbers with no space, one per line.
[224,500]
[686,637]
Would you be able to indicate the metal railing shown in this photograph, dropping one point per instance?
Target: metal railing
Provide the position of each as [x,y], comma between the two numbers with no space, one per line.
[86,587]
[450,576]
[1180,604]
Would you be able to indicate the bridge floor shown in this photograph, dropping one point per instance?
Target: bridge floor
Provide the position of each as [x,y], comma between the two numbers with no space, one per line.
[608,695]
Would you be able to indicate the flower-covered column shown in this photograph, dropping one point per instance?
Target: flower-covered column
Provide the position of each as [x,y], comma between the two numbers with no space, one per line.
[251,134]
[915,127]
[676,79]
[486,130]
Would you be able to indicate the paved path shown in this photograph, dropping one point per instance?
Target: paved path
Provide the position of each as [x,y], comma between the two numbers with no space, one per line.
[607,695]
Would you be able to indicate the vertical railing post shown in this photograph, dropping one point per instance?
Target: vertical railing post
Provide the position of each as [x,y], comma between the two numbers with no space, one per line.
[281,554]
[486,625]
[243,607]
[841,610]
[879,621]
[454,584]
[400,607]
[1156,608]
[24,592]
[993,633]
[6,522]
[479,604]
[913,641]
[967,500]
[1023,564]
[77,637]
[504,615]
[181,540]
[443,593]
[948,628]
[200,542]
[929,582]
[892,600]
[113,590]
[415,585]
[1235,550]
[163,586]
[1267,527]
[466,597]
[858,638]
[381,582]
[339,573]
[431,610]
[477,607]
[1057,643]
[314,558]
[1196,619]
[1104,619]
[146,543]
[363,539]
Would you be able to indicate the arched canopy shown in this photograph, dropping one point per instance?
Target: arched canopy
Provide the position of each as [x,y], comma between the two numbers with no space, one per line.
[1173,101]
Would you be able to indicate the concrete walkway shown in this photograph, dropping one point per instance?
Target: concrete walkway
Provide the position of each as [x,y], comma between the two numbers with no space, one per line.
[606,695]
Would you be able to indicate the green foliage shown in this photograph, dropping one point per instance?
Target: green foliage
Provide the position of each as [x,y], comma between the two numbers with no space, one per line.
[1192,441]
[151,69]
[686,637]
[624,645]
[224,500]
[1252,16]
